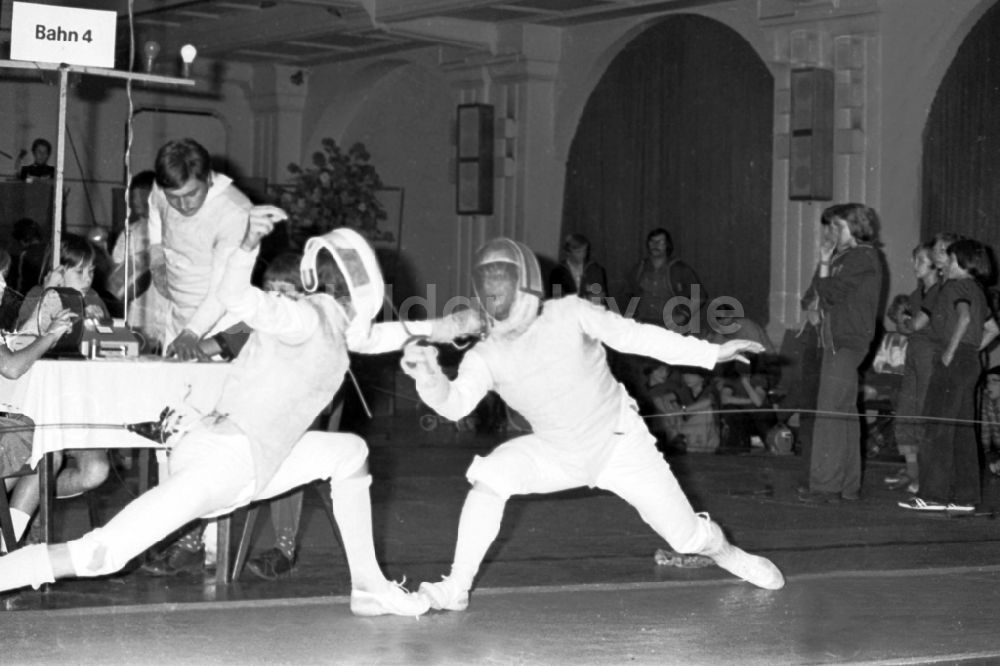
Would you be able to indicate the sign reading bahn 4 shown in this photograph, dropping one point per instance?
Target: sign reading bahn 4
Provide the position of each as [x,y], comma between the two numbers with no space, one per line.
[49,33]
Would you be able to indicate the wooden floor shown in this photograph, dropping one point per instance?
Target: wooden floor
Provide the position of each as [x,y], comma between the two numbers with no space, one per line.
[571,579]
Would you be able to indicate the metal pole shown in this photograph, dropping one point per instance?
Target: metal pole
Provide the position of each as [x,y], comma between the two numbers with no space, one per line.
[57,206]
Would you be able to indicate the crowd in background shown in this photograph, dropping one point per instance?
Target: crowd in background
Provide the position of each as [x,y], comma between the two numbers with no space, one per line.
[939,334]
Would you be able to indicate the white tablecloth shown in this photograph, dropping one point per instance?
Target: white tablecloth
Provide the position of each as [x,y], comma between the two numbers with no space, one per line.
[68,398]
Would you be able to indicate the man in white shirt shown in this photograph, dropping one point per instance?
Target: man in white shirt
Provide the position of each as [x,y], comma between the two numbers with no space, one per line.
[196,219]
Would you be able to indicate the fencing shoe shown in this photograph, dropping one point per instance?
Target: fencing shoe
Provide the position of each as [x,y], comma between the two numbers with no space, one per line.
[393,600]
[446,595]
[752,568]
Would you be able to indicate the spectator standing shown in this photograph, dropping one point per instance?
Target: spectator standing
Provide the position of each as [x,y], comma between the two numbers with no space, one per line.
[147,304]
[948,458]
[577,273]
[918,367]
[844,293]
[660,277]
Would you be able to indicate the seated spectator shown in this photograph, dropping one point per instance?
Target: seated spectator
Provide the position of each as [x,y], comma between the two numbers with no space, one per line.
[740,386]
[665,419]
[746,411]
[76,272]
[577,273]
[684,401]
[16,430]
[84,468]
[39,169]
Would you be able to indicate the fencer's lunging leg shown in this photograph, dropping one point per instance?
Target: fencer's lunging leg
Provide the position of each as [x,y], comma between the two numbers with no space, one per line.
[641,477]
[342,458]
[208,472]
[478,527]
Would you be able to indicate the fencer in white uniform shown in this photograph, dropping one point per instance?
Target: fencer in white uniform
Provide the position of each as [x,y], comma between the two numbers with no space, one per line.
[255,444]
[547,362]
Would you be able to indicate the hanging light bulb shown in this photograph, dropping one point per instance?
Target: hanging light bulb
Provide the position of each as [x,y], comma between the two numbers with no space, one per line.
[188,54]
[150,50]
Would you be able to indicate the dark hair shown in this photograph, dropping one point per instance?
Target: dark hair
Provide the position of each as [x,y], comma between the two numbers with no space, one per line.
[899,308]
[41,142]
[26,231]
[180,160]
[142,181]
[995,370]
[660,231]
[285,267]
[927,247]
[862,220]
[574,241]
[76,251]
[946,237]
[972,257]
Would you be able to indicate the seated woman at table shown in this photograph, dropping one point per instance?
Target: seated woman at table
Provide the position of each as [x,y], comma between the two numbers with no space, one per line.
[84,469]
[16,429]
[254,445]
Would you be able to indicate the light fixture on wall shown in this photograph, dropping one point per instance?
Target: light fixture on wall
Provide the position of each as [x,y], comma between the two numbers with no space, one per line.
[150,50]
[188,54]
[474,179]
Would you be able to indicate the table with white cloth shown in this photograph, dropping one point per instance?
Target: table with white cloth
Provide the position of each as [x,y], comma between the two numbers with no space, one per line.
[81,404]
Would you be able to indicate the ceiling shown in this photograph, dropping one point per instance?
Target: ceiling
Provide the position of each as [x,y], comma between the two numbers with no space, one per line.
[312,32]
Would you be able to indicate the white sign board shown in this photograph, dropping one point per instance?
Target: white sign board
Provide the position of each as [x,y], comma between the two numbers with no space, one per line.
[48,33]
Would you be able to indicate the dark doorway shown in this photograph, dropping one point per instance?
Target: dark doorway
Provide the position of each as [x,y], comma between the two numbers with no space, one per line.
[678,133]
[961,160]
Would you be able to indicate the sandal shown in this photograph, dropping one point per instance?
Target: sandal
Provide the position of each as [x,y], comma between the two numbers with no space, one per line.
[917,504]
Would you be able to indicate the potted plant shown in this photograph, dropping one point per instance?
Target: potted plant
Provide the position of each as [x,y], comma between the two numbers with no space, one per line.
[339,189]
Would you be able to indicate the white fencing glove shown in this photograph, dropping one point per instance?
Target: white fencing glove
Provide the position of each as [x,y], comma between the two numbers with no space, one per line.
[460,324]
[420,361]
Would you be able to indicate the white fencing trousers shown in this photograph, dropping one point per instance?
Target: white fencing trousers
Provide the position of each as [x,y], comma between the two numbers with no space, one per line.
[633,469]
[211,474]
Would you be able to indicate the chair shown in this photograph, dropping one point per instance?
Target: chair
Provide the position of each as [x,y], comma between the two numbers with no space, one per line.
[228,574]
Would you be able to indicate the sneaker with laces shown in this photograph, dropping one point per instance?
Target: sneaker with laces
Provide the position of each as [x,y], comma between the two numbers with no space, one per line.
[393,600]
[446,595]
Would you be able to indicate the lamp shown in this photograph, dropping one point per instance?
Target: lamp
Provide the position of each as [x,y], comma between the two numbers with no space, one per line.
[150,50]
[188,54]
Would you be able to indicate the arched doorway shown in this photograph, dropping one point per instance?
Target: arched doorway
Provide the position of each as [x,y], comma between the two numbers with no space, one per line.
[678,134]
[961,143]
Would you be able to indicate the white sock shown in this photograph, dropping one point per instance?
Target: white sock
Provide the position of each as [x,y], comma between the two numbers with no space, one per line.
[352,509]
[478,527]
[26,566]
